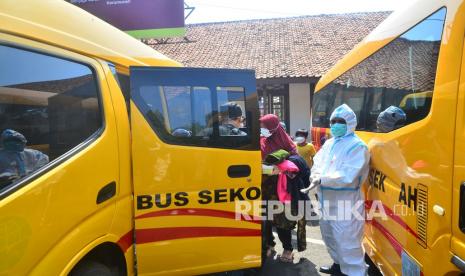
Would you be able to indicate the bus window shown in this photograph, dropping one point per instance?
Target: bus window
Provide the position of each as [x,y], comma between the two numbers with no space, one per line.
[189,110]
[48,103]
[184,115]
[400,74]
[183,111]
[355,98]
[325,104]
[374,107]
[231,104]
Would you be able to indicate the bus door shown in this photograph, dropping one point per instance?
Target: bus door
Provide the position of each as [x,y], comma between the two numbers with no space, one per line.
[196,162]
[458,191]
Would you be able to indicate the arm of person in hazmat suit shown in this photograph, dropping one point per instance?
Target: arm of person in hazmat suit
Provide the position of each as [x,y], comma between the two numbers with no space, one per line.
[351,172]
[318,163]
[41,159]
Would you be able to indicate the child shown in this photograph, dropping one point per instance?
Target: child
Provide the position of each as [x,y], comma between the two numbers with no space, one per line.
[304,149]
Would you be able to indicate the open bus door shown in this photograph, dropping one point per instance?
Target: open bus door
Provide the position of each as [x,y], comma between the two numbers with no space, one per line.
[192,163]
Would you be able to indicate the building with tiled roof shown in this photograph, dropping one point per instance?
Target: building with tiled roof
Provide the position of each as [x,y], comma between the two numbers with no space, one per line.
[288,54]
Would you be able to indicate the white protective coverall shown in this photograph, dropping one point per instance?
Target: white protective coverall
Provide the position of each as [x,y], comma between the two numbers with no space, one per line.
[19,162]
[342,165]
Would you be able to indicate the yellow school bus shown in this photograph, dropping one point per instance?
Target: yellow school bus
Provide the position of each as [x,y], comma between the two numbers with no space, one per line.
[415,61]
[127,167]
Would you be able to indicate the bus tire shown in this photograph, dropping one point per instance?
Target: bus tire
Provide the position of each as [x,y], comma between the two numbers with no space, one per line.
[91,268]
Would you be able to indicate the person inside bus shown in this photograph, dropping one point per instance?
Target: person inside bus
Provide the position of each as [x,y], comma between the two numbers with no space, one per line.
[181,132]
[304,149]
[340,167]
[15,160]
[391,118]
[232,120]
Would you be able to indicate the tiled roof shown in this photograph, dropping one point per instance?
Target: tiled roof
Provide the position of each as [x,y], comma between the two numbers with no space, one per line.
[56,86]
[403,64]
[288,47]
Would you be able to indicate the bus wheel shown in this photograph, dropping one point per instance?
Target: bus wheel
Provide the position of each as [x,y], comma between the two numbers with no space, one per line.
[91,268]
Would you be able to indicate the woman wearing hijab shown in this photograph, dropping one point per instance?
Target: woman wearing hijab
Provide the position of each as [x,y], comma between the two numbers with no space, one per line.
[274,136]
[275,139]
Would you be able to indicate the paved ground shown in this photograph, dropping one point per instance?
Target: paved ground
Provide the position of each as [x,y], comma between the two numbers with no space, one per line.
[305,263]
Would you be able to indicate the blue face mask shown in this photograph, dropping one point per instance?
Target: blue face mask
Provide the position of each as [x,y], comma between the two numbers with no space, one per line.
[338,130]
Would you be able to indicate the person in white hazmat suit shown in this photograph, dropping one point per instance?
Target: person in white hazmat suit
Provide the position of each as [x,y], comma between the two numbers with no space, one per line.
[340,168]
[15,160]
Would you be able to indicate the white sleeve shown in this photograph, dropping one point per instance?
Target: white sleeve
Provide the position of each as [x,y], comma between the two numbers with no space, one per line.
[318,162]
[41,160]
[352,167]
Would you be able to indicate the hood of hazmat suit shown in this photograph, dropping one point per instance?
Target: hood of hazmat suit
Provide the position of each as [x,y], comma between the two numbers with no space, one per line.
[390,119]
[342,165]
[15,159]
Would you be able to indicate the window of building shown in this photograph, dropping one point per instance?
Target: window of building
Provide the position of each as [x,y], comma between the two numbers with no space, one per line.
[48,106]
[401,74]
[274,99]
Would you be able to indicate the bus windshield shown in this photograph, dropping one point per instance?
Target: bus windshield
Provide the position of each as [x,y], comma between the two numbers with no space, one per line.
[400,74]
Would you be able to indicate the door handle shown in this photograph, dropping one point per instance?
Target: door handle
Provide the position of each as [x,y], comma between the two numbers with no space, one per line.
[237,171]
[108,191]
[438,210]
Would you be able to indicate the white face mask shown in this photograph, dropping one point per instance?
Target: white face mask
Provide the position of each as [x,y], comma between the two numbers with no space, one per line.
[299,139]
[265,132]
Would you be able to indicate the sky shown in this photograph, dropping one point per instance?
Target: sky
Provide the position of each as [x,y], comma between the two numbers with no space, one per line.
[231,10]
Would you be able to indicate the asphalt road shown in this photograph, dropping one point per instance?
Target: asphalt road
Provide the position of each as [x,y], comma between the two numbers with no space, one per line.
[306,262]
